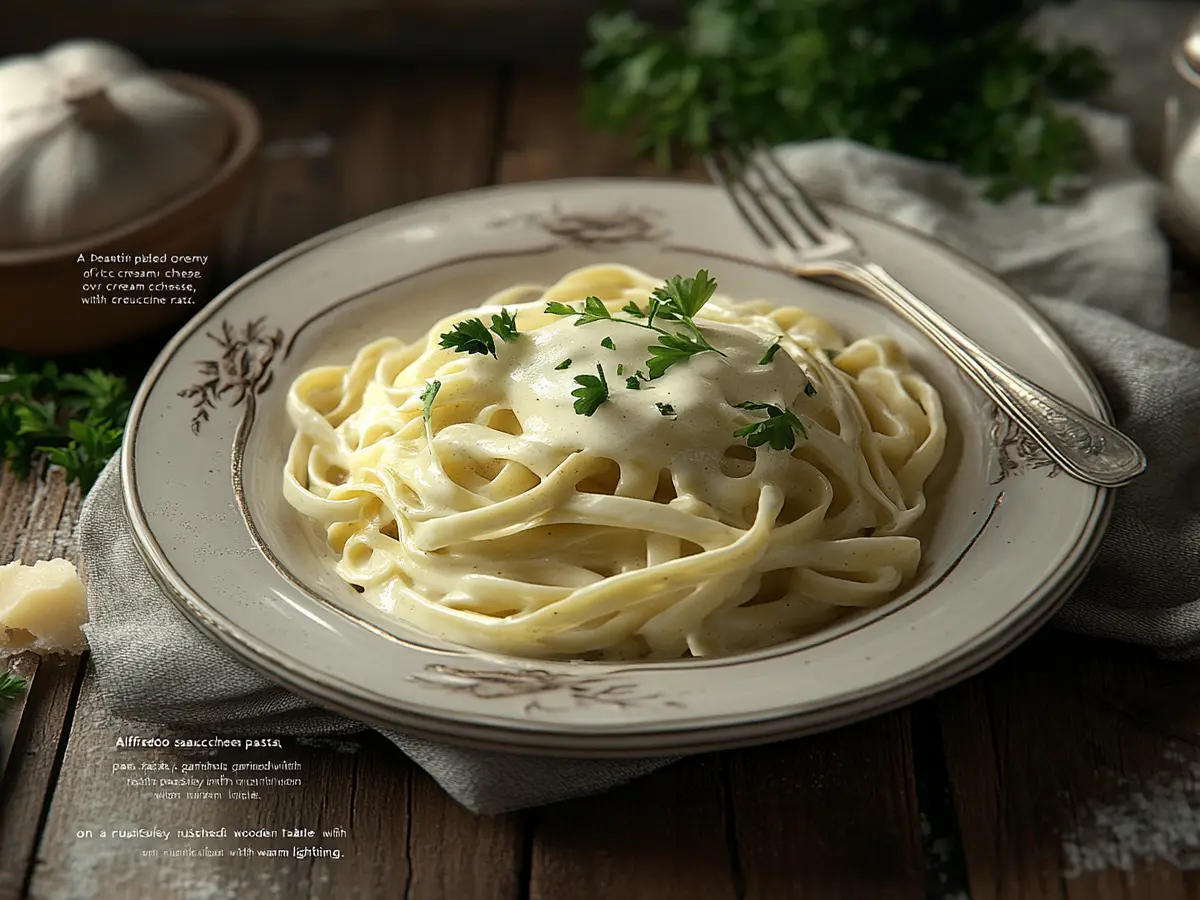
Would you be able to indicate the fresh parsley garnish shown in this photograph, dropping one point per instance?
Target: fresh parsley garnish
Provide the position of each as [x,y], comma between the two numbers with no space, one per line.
[428,394]
[810,389]
[665,409]
[472,336]
[592,392]
[91,446]
[565,364]
[632,383]
[593,310]
[11,686]
[676,301]
[770,354]
[76,418]
[620,369]
[505,327]
[680,298]
[469,336]
[686,296]
[779,429]
[957,85]
[672,349]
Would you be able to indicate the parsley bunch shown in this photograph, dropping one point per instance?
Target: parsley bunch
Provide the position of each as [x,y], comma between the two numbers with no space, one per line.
[943,80]
[11,686]
[75,418]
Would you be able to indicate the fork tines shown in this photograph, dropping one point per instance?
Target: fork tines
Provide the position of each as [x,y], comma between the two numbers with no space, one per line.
[770,200]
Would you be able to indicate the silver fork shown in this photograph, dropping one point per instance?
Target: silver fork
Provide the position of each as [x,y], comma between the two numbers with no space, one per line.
[807,244]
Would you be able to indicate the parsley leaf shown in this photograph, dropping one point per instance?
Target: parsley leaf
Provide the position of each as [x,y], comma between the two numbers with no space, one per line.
[746,404]
[92,444]
[593,311]
[565,364]
[671,349]
[810,389]
[592,392]
[469,336]
[779,429]
[104,395]
[428,395]
[657,309]
[665,409]
[11,686]
[770,354]
[76,418]
[653,308]
[686,296]
[680,298]
[37,418]
[632,383]
[505,327]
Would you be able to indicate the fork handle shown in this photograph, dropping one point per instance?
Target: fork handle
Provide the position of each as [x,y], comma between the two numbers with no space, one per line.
[1082,445]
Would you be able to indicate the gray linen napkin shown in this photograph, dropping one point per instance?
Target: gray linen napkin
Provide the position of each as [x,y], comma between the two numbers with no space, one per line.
[1101,249]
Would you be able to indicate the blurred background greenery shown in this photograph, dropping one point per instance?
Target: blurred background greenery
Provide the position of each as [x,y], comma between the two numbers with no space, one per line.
[952,80]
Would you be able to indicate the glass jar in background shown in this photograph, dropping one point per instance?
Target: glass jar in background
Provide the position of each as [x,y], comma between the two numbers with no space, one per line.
[1181,145]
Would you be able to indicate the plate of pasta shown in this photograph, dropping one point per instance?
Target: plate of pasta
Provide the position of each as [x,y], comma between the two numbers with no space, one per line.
[572,468]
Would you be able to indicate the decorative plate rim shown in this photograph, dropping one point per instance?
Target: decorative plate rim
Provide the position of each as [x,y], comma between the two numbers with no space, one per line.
[359,703]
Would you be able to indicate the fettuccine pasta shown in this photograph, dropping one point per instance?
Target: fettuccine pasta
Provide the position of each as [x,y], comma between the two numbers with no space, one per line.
[492,512]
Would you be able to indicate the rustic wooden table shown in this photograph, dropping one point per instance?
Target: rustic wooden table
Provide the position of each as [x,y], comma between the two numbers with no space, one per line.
[1069,770]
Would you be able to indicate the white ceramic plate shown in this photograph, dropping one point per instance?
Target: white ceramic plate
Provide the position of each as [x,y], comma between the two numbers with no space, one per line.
[207,437]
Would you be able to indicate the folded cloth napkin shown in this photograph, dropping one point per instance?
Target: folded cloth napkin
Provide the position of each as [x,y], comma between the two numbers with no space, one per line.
[1101,249]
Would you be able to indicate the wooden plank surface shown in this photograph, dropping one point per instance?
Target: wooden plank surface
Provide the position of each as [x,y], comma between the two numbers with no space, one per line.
[454,853]
[340,144]
[344,141]
[1075,765]
[84,857]
[545,134]
[428,29]
[37,521]
[665,837]
[834,815]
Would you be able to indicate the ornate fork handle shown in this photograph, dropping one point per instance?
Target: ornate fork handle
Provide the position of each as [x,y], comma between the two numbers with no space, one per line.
[1083,446]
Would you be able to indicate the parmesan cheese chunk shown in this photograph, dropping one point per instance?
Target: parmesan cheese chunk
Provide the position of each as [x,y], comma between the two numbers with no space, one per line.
[42,607]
